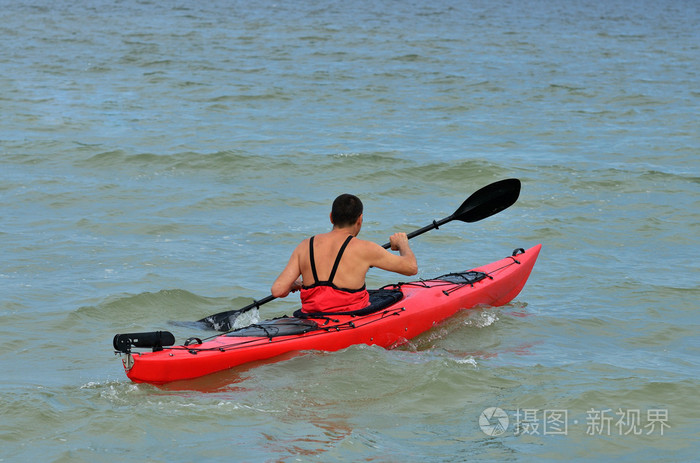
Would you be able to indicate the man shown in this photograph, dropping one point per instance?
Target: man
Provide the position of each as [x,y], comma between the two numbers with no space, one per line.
[333,265]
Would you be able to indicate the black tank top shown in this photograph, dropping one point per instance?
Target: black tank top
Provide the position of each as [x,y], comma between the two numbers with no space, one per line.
[329,282]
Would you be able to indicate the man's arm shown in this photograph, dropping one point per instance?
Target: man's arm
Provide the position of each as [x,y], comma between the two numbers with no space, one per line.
[288,280]
[405,263]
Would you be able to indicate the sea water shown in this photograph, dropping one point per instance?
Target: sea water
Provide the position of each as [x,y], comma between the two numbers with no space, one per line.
[160,160]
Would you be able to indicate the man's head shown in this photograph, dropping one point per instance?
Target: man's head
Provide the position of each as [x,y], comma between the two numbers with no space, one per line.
[346,210]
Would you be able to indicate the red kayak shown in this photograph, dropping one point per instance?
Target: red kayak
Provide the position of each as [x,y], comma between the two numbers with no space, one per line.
[398,312]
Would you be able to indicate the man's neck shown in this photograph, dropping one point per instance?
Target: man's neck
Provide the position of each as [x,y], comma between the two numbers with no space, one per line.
[344,230]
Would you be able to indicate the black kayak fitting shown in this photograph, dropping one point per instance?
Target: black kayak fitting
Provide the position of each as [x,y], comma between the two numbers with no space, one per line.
[283,326]
[155,339]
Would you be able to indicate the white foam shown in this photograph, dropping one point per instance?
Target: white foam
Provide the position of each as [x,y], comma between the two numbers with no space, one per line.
[467,361]
[481,319]
[246,318]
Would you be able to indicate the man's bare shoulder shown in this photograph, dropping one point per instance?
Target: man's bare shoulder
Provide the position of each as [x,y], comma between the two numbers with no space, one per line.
[367,246]
[304,244]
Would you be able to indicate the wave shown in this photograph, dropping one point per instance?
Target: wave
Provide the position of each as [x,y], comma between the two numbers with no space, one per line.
[193,160]
[365,165]
[151,308]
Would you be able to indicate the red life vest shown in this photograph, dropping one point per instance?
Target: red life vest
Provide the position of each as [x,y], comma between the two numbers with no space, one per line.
[324,296]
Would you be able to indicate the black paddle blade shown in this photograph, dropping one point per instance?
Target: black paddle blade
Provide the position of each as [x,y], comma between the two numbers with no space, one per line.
[488,201]
[155,339]
[483,203]
[223,321]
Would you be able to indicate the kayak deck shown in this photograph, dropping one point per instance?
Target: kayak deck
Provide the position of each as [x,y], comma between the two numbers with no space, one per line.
[425,303]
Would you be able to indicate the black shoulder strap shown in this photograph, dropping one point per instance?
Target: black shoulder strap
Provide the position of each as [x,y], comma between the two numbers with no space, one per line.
[311,258]
[337,259]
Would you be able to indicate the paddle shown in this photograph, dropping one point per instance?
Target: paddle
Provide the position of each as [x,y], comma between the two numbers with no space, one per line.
[483,203]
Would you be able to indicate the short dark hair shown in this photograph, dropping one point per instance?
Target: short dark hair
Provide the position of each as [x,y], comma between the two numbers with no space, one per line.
[346,210]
